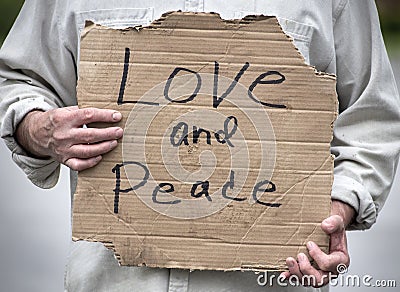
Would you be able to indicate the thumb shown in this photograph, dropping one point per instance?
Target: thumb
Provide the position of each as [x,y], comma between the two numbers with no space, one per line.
[333,224]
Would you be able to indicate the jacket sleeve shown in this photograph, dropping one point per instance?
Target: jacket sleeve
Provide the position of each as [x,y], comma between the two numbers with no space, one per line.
[39,73]
[367,132]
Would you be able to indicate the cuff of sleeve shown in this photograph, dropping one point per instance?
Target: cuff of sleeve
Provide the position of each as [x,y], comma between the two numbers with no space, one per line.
[353,193]
[43,173]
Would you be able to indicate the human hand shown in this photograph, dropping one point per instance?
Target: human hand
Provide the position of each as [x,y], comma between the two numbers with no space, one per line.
[59,134]
[335,226]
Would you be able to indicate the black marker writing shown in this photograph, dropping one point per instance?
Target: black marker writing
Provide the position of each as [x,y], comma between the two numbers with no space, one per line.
[124,77]
[217,100]
[180,133]
[159,189]
[171,78]
[230,184]
[117,190]
[265,186]
[205,185]
[184,128]
[198,189]
[197,132]
[259,80]
[226,132]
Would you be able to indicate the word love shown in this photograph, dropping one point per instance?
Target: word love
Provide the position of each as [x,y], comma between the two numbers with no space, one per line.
[269,77]
[198,189]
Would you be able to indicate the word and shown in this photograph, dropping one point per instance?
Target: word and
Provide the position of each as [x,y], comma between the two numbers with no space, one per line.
[221,136]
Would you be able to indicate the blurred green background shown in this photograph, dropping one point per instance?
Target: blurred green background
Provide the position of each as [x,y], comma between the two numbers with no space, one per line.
[389,11]
[8,12]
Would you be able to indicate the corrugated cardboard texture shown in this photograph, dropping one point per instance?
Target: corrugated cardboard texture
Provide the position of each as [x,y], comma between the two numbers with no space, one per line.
[244,234]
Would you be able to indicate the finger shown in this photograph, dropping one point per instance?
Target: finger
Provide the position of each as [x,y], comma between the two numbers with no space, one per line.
[312,276]
[325,262]
[95,135]
[284,275]
[93,115]
[321,258]
[85,151]
[294,268]
[82,164]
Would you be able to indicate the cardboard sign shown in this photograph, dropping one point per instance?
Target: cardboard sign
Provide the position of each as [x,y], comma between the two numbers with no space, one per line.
[225,162]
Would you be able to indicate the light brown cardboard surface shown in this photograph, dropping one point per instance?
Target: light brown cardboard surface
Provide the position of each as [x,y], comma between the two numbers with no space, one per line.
[295,137]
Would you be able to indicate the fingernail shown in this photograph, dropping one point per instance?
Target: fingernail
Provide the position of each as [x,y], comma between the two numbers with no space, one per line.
[302,257]
[116,116]
[113,144]
[327,221]
[328,227]
[119,133]
[310,245]
[98,158]
[290,262]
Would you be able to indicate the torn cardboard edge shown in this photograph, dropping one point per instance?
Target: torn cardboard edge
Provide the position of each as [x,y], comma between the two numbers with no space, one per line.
[89,25]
